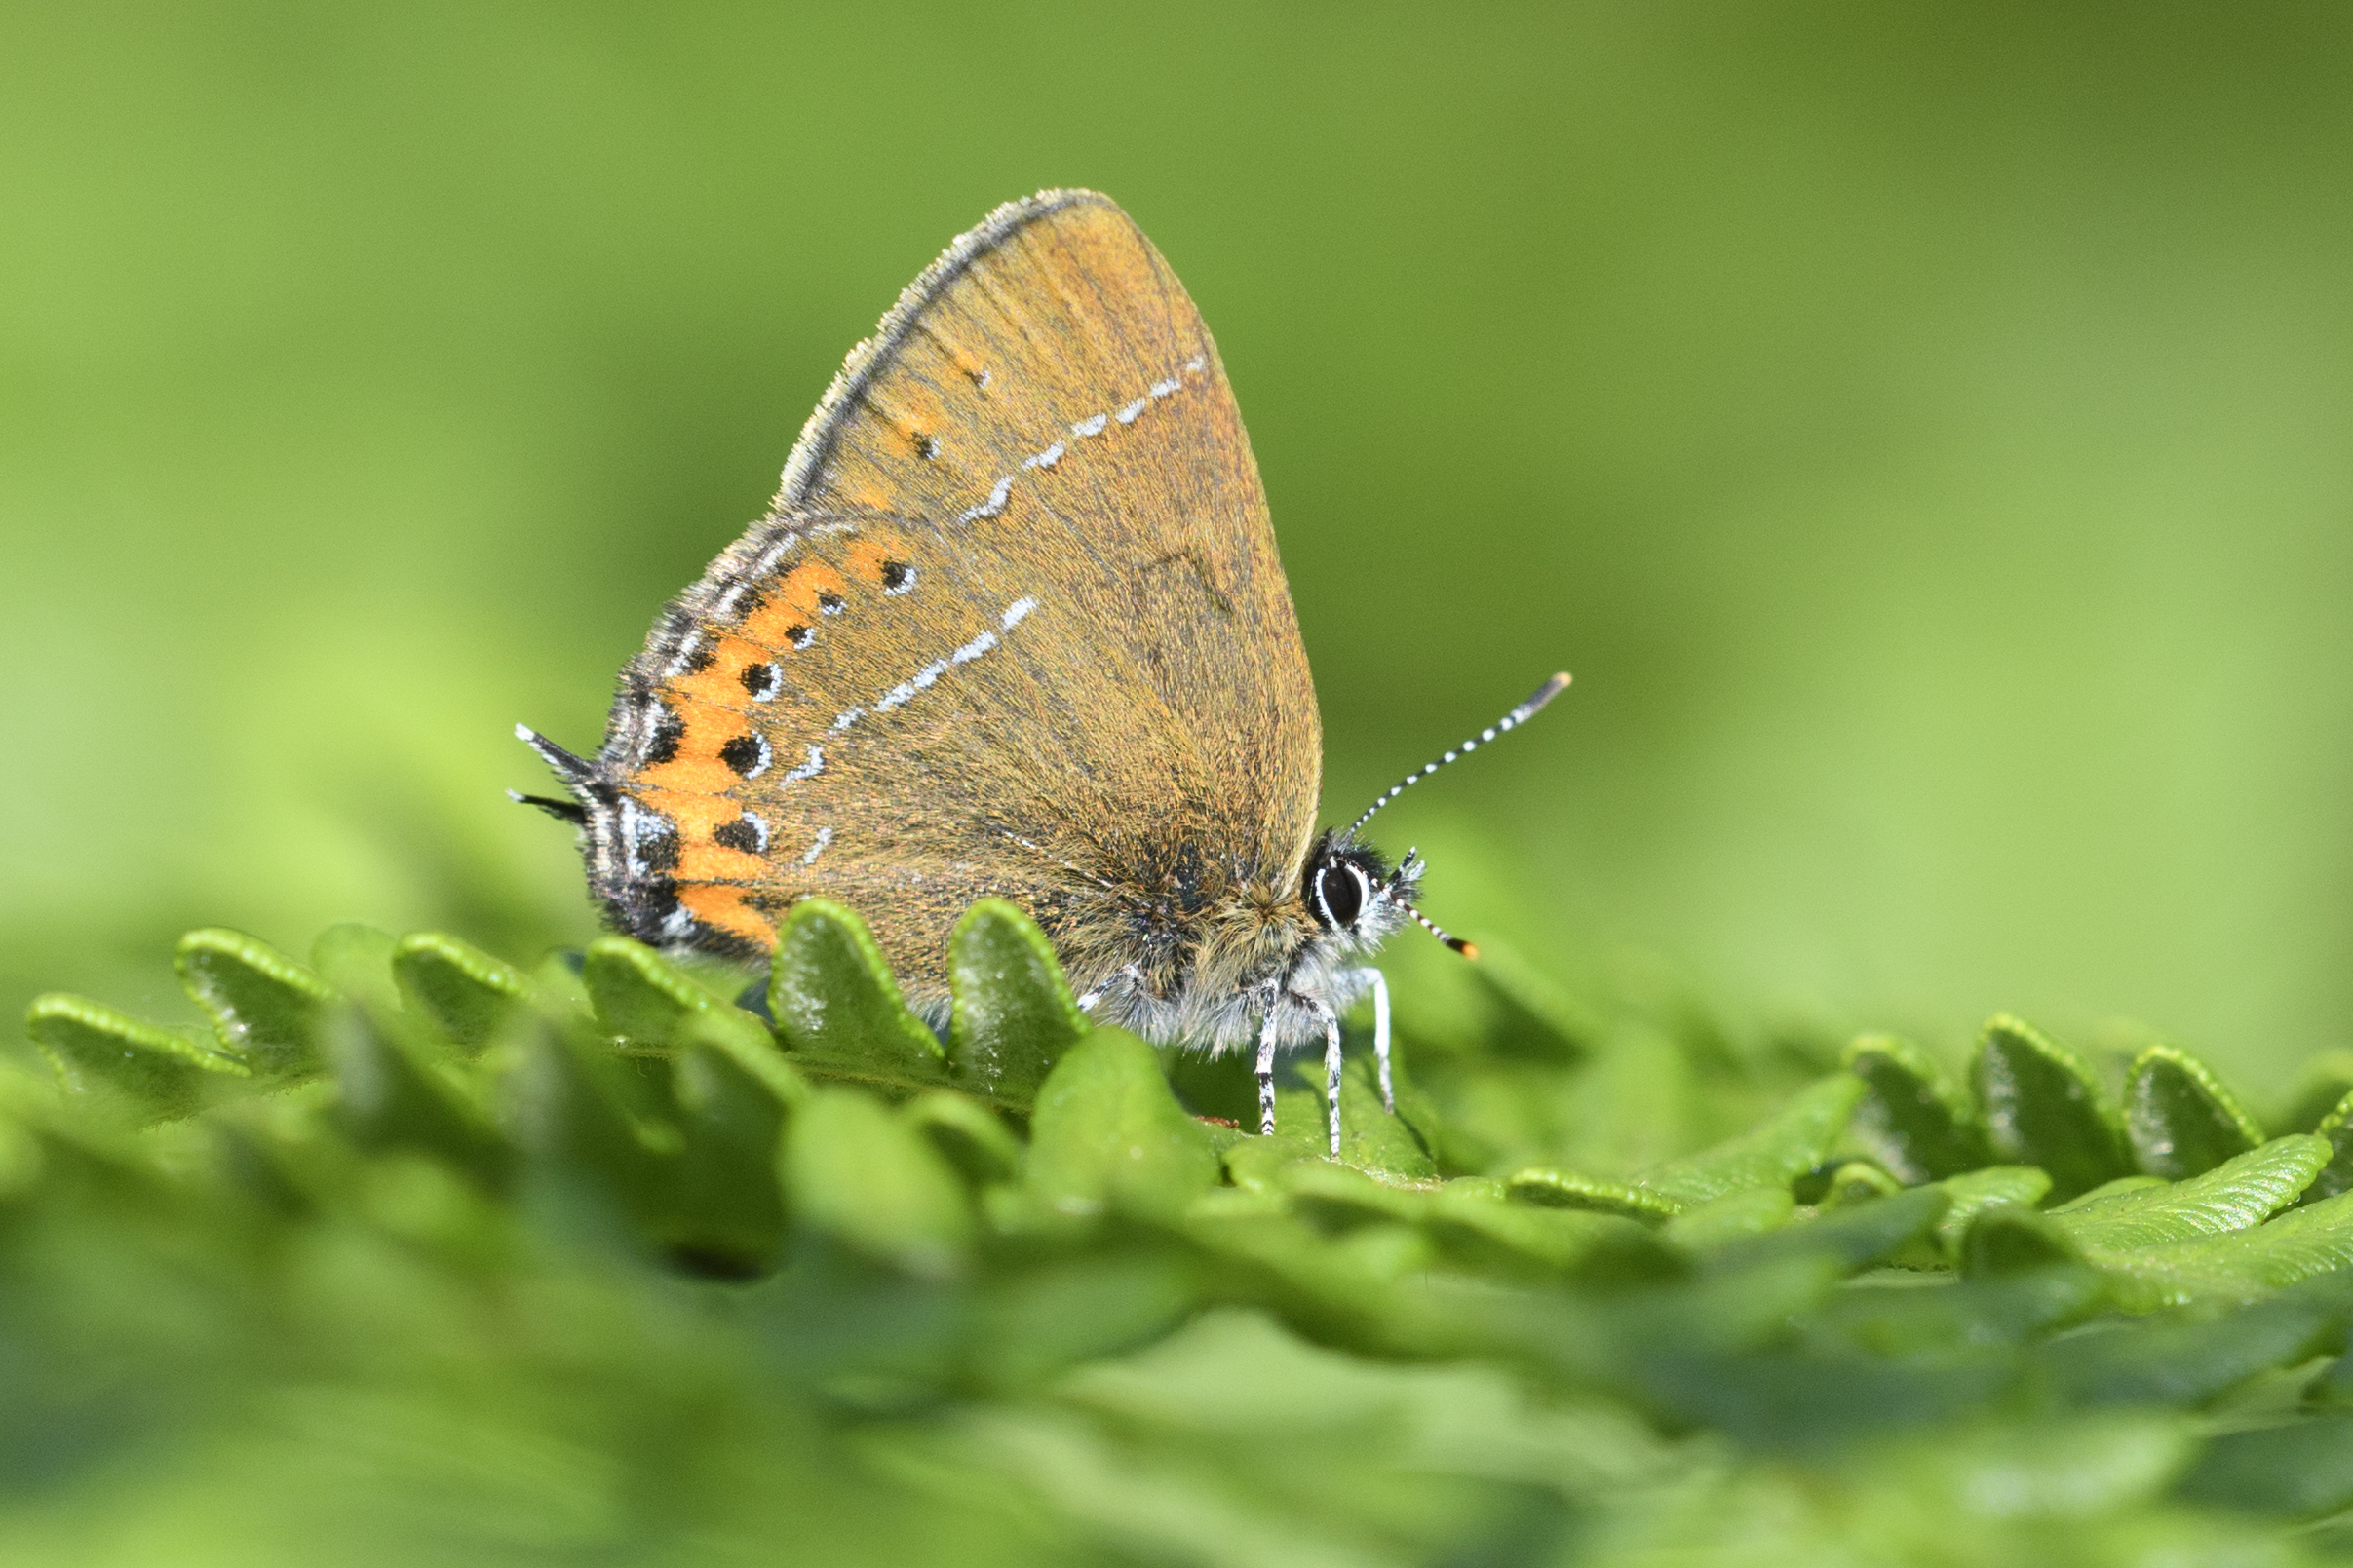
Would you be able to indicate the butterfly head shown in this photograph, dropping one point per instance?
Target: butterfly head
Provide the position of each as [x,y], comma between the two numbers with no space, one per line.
[1356,899]
[1354,896]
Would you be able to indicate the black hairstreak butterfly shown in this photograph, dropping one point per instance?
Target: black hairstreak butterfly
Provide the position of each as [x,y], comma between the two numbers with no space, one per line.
[1015,627]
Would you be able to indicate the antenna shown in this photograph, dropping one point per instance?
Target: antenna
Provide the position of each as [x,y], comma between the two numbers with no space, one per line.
[1510,721]
[1467,949]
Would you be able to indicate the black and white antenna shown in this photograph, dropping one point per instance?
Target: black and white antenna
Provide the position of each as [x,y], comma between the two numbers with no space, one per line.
[1462,945]
[1510,721]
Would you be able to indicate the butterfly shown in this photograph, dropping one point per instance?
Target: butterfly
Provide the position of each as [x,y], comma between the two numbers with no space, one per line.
[1015,627]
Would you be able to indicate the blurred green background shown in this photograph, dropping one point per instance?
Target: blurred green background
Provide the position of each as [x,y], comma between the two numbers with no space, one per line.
[1921,428]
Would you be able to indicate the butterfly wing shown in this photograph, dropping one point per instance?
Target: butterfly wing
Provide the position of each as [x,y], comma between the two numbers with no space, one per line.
[1014,625]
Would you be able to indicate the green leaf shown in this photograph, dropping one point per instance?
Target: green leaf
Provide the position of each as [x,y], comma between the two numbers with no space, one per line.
[1460,1371]
[837,1009]
[725,1217]
[1783,1147]
[2242,1265]
[1912,1119]
[2181,1121]
[1937,1315]
[461,990]
[2081,1487]
[2301,1470]
[874,1182]
[1568,1189]
[973,1136]
[154,1074]
[1109,1135]
[1012,1016]
[264,1004]
[556,977]
[392,1092]
[2336,1176]
[2333,1389]
[1978,1191]
[1858,1181]
[563,1102]
[2185,1358]
[1256,1164]
[2042,1108]
[2012,1239]
[1333,1196]
[1473,1224]
[737,1035]
[2107,1190]
[356,960]
[642,999]
[2322,1085]
[23,1163]
[1865,1233]
[1734,1218]
[1370,1138]
[2240,1194]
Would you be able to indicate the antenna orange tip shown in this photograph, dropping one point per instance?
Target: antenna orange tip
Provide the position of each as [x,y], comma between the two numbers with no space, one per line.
[1468,949]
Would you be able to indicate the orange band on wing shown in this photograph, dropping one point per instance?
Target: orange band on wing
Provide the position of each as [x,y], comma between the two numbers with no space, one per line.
[720,683]
[699,768]
[697,814]
[793,607]
[701,862]
[722,907]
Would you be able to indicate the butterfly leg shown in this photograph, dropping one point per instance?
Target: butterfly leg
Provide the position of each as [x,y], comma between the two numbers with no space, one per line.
[1266,1075]
[1332,1072]
[1086,1003]
[1380,1032]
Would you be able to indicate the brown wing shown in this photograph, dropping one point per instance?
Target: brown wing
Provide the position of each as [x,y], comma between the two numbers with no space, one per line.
[1015,624]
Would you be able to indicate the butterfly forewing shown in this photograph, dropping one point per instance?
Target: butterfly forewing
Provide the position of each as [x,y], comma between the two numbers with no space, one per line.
[1015,625]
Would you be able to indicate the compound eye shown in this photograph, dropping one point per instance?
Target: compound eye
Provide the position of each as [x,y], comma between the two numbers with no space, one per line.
[1341,890]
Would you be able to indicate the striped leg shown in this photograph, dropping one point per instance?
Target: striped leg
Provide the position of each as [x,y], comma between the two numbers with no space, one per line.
[1380,1033]
[1266,1075]
[1332,1072]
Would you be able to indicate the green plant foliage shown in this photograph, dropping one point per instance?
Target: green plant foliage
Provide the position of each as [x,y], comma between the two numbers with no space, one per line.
[160,1075]
[461,990]
[1788,1144]
[2298,1470]
[1012,1015]
[732,1099]
[871,1181]
[577,1265]
[356,961]
[836,1006]
[2180,1119]
[1910,1119]
[2241,1194]
[2336,1176]
[1108,1135]
[2043,1108]
[1369,1137]
[264,1004]
[1973,1192]
[391,1091]
[2320,1088]
[637,998]
[1570,1189]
